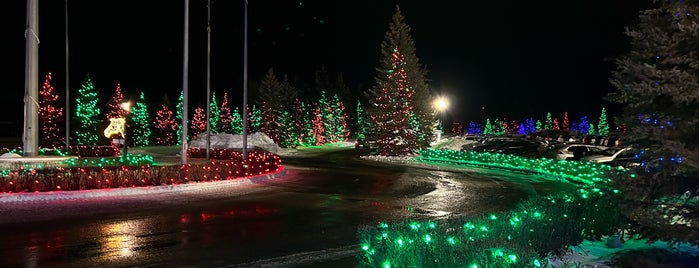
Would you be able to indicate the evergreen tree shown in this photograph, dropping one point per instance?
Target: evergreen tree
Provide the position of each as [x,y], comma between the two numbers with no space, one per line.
[226,117]
[341,130]
[584,125]
[255,119]
[529,126]
[236,122]
[602,125]
[178,119]
[87,113]
[566,122]
[592,130]
[539,126]
[548,124]
[658,84]
[309,138]
[317,126]
[326,119]
[488,130]
[498,127]
[268,124]
[142,122]
[522,129]
[400,92]
[361,122]
[215,115]
[116,110]
[457,128]
[50,115]
[555,125]
[198,125]
[165,126]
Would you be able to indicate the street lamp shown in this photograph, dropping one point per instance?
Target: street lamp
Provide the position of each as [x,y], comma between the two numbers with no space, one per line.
[127,109]
[441,104]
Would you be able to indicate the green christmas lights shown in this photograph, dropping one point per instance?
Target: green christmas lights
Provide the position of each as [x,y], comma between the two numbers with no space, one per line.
[142,123]
[87,113]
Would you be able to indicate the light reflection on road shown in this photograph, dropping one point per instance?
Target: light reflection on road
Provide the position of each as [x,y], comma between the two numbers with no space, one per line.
[118,240]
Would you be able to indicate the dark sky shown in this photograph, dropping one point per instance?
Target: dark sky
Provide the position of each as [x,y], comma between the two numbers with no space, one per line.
[519,59]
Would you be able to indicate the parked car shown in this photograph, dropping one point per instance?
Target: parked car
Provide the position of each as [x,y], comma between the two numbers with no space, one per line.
[526,148]
[362,144]
[609,155]
[567,151]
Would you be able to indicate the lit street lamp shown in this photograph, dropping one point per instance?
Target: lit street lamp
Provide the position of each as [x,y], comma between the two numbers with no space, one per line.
[127,108]
[441,104]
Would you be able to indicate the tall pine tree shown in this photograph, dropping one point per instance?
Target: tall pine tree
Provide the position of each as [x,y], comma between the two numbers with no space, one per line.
[658,83]
[226,117]
[602,125]
[165,126]
[50,115]
[198,125]
[400,93]
[87,113]
[215,115]
[141,122]
[237,122]
[116,109]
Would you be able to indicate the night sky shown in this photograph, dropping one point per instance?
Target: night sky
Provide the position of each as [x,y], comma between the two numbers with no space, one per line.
[518,59]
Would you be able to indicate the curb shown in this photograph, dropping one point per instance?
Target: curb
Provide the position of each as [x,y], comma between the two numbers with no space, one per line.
[135,191]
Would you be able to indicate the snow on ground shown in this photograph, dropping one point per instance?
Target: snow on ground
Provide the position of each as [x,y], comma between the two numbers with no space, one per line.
[227,141]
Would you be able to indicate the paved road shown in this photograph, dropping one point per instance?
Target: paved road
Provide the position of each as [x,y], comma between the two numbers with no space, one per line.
[306,218]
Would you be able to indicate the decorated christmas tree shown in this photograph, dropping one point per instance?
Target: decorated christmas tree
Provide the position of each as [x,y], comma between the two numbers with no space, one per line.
[198,122]
[236,122]
[87,113]
[529,126]
[548,124]
[178,119]
[50,115]
[361,122]
[657,82]
[226,117]
[269,124]
[214,115]
[141,122]
[498,127]
[602,125]
[116,110]
[566,122]
[341,131]
[401,92]
[457,128]
[584,125]
[326,119]
[165,126]
[488,129]
[555,125]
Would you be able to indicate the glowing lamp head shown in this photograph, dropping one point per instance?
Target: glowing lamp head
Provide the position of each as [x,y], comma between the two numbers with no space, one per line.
[126,106]
[441,104]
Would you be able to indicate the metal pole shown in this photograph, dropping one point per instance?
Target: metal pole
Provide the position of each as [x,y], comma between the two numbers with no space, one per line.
[208,78]
[30,136]
[245,84]
[67,86]
[185,70]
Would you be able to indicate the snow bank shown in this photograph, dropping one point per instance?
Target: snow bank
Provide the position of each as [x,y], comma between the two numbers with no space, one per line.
[230,141]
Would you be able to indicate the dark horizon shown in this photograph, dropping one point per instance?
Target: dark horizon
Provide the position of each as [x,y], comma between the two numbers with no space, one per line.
[517,59]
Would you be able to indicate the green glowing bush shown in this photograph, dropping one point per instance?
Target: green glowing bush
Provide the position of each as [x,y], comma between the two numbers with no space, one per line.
[522,237]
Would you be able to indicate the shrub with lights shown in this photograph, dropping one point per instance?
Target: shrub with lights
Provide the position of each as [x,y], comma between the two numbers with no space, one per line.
[522,237]
[136,171]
